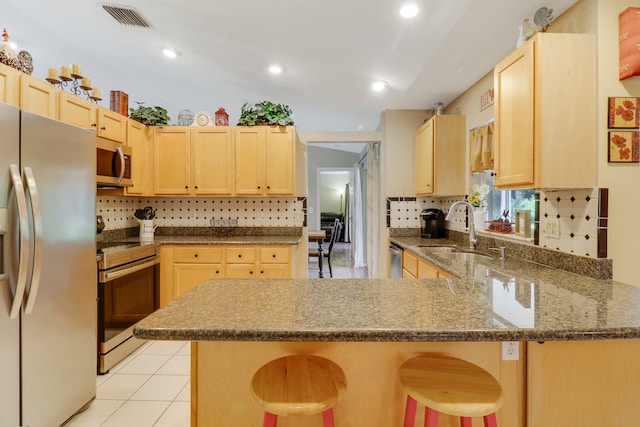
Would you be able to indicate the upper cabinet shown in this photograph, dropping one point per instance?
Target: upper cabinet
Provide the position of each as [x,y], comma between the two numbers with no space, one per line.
[440,147]
[264,160]
[9,87]
[211,160]
[545,114]
[77,111]
[112,125]
[140,139]
[193,160]
[38,96]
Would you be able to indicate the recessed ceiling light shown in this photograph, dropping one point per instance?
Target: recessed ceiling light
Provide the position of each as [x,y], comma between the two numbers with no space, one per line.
[409,8]
[379,86]
[169,52]
[275,69]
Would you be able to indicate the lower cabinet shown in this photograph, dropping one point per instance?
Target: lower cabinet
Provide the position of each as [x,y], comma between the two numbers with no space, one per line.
[413,267]
[184,266]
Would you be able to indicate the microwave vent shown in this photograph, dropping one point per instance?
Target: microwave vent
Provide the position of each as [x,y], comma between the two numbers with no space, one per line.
[126,15]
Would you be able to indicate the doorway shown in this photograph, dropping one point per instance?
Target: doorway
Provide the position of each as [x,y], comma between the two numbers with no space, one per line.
[329,167]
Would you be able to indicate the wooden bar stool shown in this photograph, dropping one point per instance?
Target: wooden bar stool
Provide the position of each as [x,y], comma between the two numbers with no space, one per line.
[448,385]
[298,385]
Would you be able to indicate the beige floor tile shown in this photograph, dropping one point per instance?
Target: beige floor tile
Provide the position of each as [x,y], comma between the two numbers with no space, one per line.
[161,387]
[144,364]
[96,414]
[185,350]
[163,347]
[178,414]
[121,387]
[177,365]
[185,394]
[137,414]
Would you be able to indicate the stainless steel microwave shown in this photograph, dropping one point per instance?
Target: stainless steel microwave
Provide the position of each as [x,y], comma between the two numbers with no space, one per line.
[113,164]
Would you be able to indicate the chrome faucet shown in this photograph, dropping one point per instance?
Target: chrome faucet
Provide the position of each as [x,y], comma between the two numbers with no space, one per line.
[472,226]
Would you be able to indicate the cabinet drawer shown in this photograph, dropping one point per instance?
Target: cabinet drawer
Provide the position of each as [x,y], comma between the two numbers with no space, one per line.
[410,263]
[197,254]
[241,255]
[274,255]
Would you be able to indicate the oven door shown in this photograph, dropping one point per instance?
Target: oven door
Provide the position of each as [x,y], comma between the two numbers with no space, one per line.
[126,295]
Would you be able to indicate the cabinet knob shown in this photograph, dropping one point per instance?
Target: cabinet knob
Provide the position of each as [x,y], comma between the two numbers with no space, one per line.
[186,186]
[239,255]
[217,271]
[268,187]
[273,256]
[259,187]
[261,271]
[103,128]
[196,187]
[251,272]
[195,255]
[93,125]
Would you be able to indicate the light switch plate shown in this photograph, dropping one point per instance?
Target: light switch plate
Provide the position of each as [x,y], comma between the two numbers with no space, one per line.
[552,228]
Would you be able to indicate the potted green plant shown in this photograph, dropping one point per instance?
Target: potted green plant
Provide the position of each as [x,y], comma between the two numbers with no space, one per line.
[151,116]
[265,113]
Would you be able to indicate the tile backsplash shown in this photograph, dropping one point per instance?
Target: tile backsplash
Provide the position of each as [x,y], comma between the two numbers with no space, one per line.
[582,215]
[118,211]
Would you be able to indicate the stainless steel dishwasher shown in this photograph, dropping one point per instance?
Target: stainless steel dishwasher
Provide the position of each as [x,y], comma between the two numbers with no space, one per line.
[396,261]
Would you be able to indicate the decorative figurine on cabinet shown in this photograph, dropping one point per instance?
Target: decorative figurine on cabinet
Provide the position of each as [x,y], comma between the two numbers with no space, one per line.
[222,118]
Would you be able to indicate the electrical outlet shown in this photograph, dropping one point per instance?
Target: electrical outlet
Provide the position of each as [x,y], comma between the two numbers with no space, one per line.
[552,228]
[510,350]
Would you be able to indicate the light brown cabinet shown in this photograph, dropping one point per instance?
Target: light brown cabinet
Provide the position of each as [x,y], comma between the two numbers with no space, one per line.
[77,111]
[112,125]
[140,139]
[39,97]
[440,147]
[193,161]
[171,160]
[545,114]
[264,160]
[9,87]
[414,267]
[184,266]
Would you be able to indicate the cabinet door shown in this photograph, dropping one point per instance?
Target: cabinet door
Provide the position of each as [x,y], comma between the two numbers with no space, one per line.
[140,139]
[171,160]
[249,160]
[280,160]
[240,271]
[38,97]
[187,276]
[112,125]
[424,159]
[409,264]
[427,270]
[212,160]
[514,115]
[274,271]
[77,111]
[9,85]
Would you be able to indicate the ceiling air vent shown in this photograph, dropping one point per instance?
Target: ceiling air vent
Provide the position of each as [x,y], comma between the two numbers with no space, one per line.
[126,15]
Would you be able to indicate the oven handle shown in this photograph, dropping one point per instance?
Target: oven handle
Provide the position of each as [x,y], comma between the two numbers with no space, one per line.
[106,276]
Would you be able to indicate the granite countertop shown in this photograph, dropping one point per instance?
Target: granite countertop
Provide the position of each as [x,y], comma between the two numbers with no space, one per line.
[212,235]
[496,300]
[221,240]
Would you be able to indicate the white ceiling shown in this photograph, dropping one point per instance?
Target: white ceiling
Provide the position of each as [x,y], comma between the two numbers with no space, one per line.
[332,50]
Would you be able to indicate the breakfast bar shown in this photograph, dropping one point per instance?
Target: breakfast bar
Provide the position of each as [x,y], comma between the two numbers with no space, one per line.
[574,361]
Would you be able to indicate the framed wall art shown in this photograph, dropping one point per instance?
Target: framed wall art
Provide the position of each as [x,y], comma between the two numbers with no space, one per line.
[624,112]
[624,146]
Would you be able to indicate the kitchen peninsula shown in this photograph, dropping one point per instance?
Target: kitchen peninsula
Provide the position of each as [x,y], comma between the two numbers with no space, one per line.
[578,340]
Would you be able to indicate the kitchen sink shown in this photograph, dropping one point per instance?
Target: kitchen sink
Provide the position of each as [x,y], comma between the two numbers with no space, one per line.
[453,253]
[438,249]
[464,256]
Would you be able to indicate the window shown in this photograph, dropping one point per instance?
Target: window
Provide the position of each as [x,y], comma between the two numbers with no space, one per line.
[500,201]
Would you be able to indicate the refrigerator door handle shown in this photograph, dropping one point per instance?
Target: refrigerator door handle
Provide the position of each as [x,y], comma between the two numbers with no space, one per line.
[32,188]
[21,201]
[122,163]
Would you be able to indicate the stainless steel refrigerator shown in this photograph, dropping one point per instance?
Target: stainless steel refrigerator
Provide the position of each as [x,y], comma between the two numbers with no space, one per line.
[48,284]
